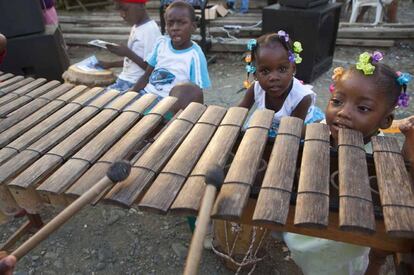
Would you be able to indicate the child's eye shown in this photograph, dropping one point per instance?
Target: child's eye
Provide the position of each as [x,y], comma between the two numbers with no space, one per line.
[364,109]
[283,69]
[264,71]
[335,102]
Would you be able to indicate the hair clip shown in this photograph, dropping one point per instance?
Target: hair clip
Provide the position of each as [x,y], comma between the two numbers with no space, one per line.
[251,44]
[293,56]
[403,79]
[366,60]
[284,35]
[337,74]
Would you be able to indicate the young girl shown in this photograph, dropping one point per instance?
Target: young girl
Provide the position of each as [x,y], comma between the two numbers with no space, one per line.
[363,98]
[273,60]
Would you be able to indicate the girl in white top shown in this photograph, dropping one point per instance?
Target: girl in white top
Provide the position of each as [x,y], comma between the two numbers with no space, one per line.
[273,60]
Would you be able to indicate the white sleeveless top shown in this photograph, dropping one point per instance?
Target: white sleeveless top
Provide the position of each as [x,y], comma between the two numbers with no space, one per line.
[296,94]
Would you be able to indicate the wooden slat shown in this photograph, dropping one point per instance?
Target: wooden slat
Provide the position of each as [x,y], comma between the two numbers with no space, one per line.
[217,152]
[25,94]
[124,148]
[4,77]
[274,197]
[235,191]
[9,82]
[150,163]
[312,204]
[16,87]
[44,127]
[174,174]
[23,186]
[26,157]
[356,210]
[68,173]
[33,106]
[395,187]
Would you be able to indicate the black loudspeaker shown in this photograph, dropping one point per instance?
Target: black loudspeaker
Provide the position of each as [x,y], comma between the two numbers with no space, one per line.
[20,17]
[304,4]
[37,55]
[316,28]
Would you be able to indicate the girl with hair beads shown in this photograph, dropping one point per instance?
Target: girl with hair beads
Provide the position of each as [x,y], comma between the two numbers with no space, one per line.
[272,60]
[363,98]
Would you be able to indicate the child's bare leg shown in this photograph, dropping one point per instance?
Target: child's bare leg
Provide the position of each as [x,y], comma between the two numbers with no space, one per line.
[186,93]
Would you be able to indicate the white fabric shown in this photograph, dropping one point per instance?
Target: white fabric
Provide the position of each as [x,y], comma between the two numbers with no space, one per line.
[141,41]
[172,67]
[296,94]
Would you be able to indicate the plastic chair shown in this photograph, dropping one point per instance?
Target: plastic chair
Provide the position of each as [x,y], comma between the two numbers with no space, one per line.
[378,4]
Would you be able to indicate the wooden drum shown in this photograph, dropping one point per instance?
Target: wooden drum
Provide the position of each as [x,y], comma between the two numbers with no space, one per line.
[77,76]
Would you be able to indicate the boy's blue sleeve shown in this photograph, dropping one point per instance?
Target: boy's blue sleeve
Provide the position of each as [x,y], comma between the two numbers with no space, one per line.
[199,71]
[152,57]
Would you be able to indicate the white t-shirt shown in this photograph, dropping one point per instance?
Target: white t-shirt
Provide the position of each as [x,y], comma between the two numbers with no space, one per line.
[295,96]
[172,67]
[141,41]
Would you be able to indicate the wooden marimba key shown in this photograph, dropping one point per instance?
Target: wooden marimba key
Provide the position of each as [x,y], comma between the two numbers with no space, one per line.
[54,150]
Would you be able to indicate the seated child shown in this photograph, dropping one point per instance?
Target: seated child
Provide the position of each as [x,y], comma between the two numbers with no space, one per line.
[363,98]
[142,39]
[176,60]
[3,44]
[273,61]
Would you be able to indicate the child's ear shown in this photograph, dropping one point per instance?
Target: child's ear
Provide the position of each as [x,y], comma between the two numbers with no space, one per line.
[294,68]
[194,25]
[387,121]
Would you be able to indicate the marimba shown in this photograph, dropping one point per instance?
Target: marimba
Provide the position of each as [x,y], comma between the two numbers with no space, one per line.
[58,140]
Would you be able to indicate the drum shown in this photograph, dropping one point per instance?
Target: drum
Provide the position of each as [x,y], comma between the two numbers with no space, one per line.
[77,76]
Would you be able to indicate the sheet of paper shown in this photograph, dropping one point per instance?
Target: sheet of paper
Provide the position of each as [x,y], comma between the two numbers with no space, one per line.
[89,64]
[100,43]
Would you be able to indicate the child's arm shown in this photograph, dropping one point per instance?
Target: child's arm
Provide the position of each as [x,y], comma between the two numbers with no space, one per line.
[124,51]
[407,128]
[248,99]
[143,81]
[302,109]
[110,64]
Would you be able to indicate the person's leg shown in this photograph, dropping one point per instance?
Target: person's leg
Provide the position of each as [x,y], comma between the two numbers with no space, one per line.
[244,8]
[186,93]
[362,13]
[230,4]
[392,12]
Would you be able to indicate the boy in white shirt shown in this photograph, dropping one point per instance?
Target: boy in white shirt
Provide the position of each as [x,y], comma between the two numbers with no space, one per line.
[143,36]
[177,66]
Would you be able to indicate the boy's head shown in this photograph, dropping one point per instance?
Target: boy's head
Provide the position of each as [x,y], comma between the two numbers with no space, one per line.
[180,22]
[132,11]
[363,102]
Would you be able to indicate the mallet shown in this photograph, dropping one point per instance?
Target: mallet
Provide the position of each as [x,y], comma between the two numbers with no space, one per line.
[118,171]
[214,179]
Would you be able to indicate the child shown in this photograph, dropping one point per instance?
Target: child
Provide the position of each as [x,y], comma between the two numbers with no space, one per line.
[363,98]
[273,61]
[3,44]
[176,60]
[142,39]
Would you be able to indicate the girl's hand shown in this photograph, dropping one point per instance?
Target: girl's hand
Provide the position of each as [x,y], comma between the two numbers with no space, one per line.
[407,128]
[120,50]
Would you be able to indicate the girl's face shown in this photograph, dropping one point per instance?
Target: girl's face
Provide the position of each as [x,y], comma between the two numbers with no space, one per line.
[179,27]
[274,71]
[357,104]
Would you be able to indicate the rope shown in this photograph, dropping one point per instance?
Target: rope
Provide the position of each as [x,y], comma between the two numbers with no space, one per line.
[249,258]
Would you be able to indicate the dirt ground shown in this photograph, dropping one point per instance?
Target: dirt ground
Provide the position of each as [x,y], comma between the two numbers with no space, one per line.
[110,240]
